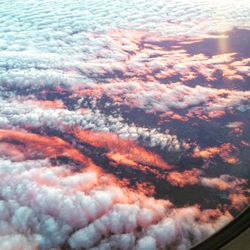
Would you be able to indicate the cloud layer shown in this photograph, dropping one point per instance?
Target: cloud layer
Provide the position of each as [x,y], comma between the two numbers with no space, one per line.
[117,118]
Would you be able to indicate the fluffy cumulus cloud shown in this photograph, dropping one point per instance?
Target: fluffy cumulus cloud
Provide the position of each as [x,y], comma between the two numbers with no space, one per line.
[109,120]
[88,209]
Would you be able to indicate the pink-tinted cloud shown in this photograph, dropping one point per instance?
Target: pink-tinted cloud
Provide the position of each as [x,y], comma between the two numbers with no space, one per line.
[224,151]
[187,177]
[122,150]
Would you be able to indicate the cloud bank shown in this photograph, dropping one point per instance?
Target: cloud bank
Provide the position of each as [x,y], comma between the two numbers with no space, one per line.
[110,121]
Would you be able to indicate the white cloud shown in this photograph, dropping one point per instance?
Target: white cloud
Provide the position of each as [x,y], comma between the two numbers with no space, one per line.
[51,32]
[44,44]
[42,206]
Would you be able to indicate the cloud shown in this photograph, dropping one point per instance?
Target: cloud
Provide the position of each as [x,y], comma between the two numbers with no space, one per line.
[56,56]
[188,177]
[225,151]
[38,52]
[198,101]
[239,200]
[35,146]
[224,182]
[14,113]
[89,207]
[126,148]
[54,210]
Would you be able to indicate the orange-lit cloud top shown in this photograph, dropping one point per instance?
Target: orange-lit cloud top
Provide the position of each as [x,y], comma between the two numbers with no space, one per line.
[56,104]
[123,150]
[170,115]
[237,195]
[187,177]
[196,177]
[224,151]
[239,200]
[34,145]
